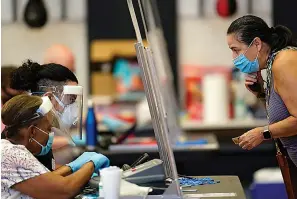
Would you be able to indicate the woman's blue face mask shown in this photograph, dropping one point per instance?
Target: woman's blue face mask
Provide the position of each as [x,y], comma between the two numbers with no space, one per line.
[244,64]
[45,149]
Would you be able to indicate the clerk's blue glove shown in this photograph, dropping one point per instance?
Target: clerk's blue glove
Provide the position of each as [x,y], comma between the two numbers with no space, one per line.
[100,161]
[79,142]
[80,161]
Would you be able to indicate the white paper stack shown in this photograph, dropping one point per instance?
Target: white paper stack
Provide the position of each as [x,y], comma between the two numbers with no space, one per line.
[215,98]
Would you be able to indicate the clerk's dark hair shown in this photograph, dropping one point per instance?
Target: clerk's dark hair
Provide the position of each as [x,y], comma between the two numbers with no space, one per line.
[31,75]
[248,27]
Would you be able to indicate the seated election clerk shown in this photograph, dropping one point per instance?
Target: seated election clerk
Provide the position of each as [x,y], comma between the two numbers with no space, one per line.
[29,128]
[60,84]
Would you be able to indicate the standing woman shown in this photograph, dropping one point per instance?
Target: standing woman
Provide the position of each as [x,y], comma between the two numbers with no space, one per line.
[255,47]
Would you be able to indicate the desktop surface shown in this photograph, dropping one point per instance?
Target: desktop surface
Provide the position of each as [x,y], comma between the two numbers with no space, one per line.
[229,185]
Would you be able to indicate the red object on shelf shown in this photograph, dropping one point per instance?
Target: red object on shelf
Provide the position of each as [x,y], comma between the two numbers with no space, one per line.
[226,8]
[131,119]
[193,79]
[141,141]
[193,98]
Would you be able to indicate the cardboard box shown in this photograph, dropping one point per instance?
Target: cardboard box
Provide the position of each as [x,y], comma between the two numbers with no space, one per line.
[103,84]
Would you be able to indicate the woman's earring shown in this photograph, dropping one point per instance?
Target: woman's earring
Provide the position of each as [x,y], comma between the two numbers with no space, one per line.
[30,140]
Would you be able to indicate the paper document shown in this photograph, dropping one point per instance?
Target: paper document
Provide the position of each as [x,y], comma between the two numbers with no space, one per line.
[236,140]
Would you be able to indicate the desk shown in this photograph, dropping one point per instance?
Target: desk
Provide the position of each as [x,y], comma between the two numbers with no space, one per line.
[227,185]
[229,159]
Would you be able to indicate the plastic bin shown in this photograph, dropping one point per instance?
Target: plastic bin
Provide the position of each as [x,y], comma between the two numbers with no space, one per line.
[268,184]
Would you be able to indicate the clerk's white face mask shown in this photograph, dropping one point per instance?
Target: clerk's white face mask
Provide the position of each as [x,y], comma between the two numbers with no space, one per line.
[70,114]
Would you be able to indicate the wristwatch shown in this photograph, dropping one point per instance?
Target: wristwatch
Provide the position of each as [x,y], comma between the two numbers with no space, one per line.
[266,133]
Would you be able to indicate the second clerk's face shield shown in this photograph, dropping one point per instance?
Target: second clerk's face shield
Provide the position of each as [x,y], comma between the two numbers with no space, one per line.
[68,103]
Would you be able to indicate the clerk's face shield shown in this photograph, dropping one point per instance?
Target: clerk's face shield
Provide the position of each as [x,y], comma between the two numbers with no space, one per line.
[67,101]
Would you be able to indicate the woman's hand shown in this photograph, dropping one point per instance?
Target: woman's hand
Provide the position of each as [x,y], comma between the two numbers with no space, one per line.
[251,139]
[100,161]
[50,185]
[252,79]
[80,161]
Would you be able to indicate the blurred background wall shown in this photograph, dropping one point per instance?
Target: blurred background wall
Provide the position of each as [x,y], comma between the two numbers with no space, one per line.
[19,42]
[200,40]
